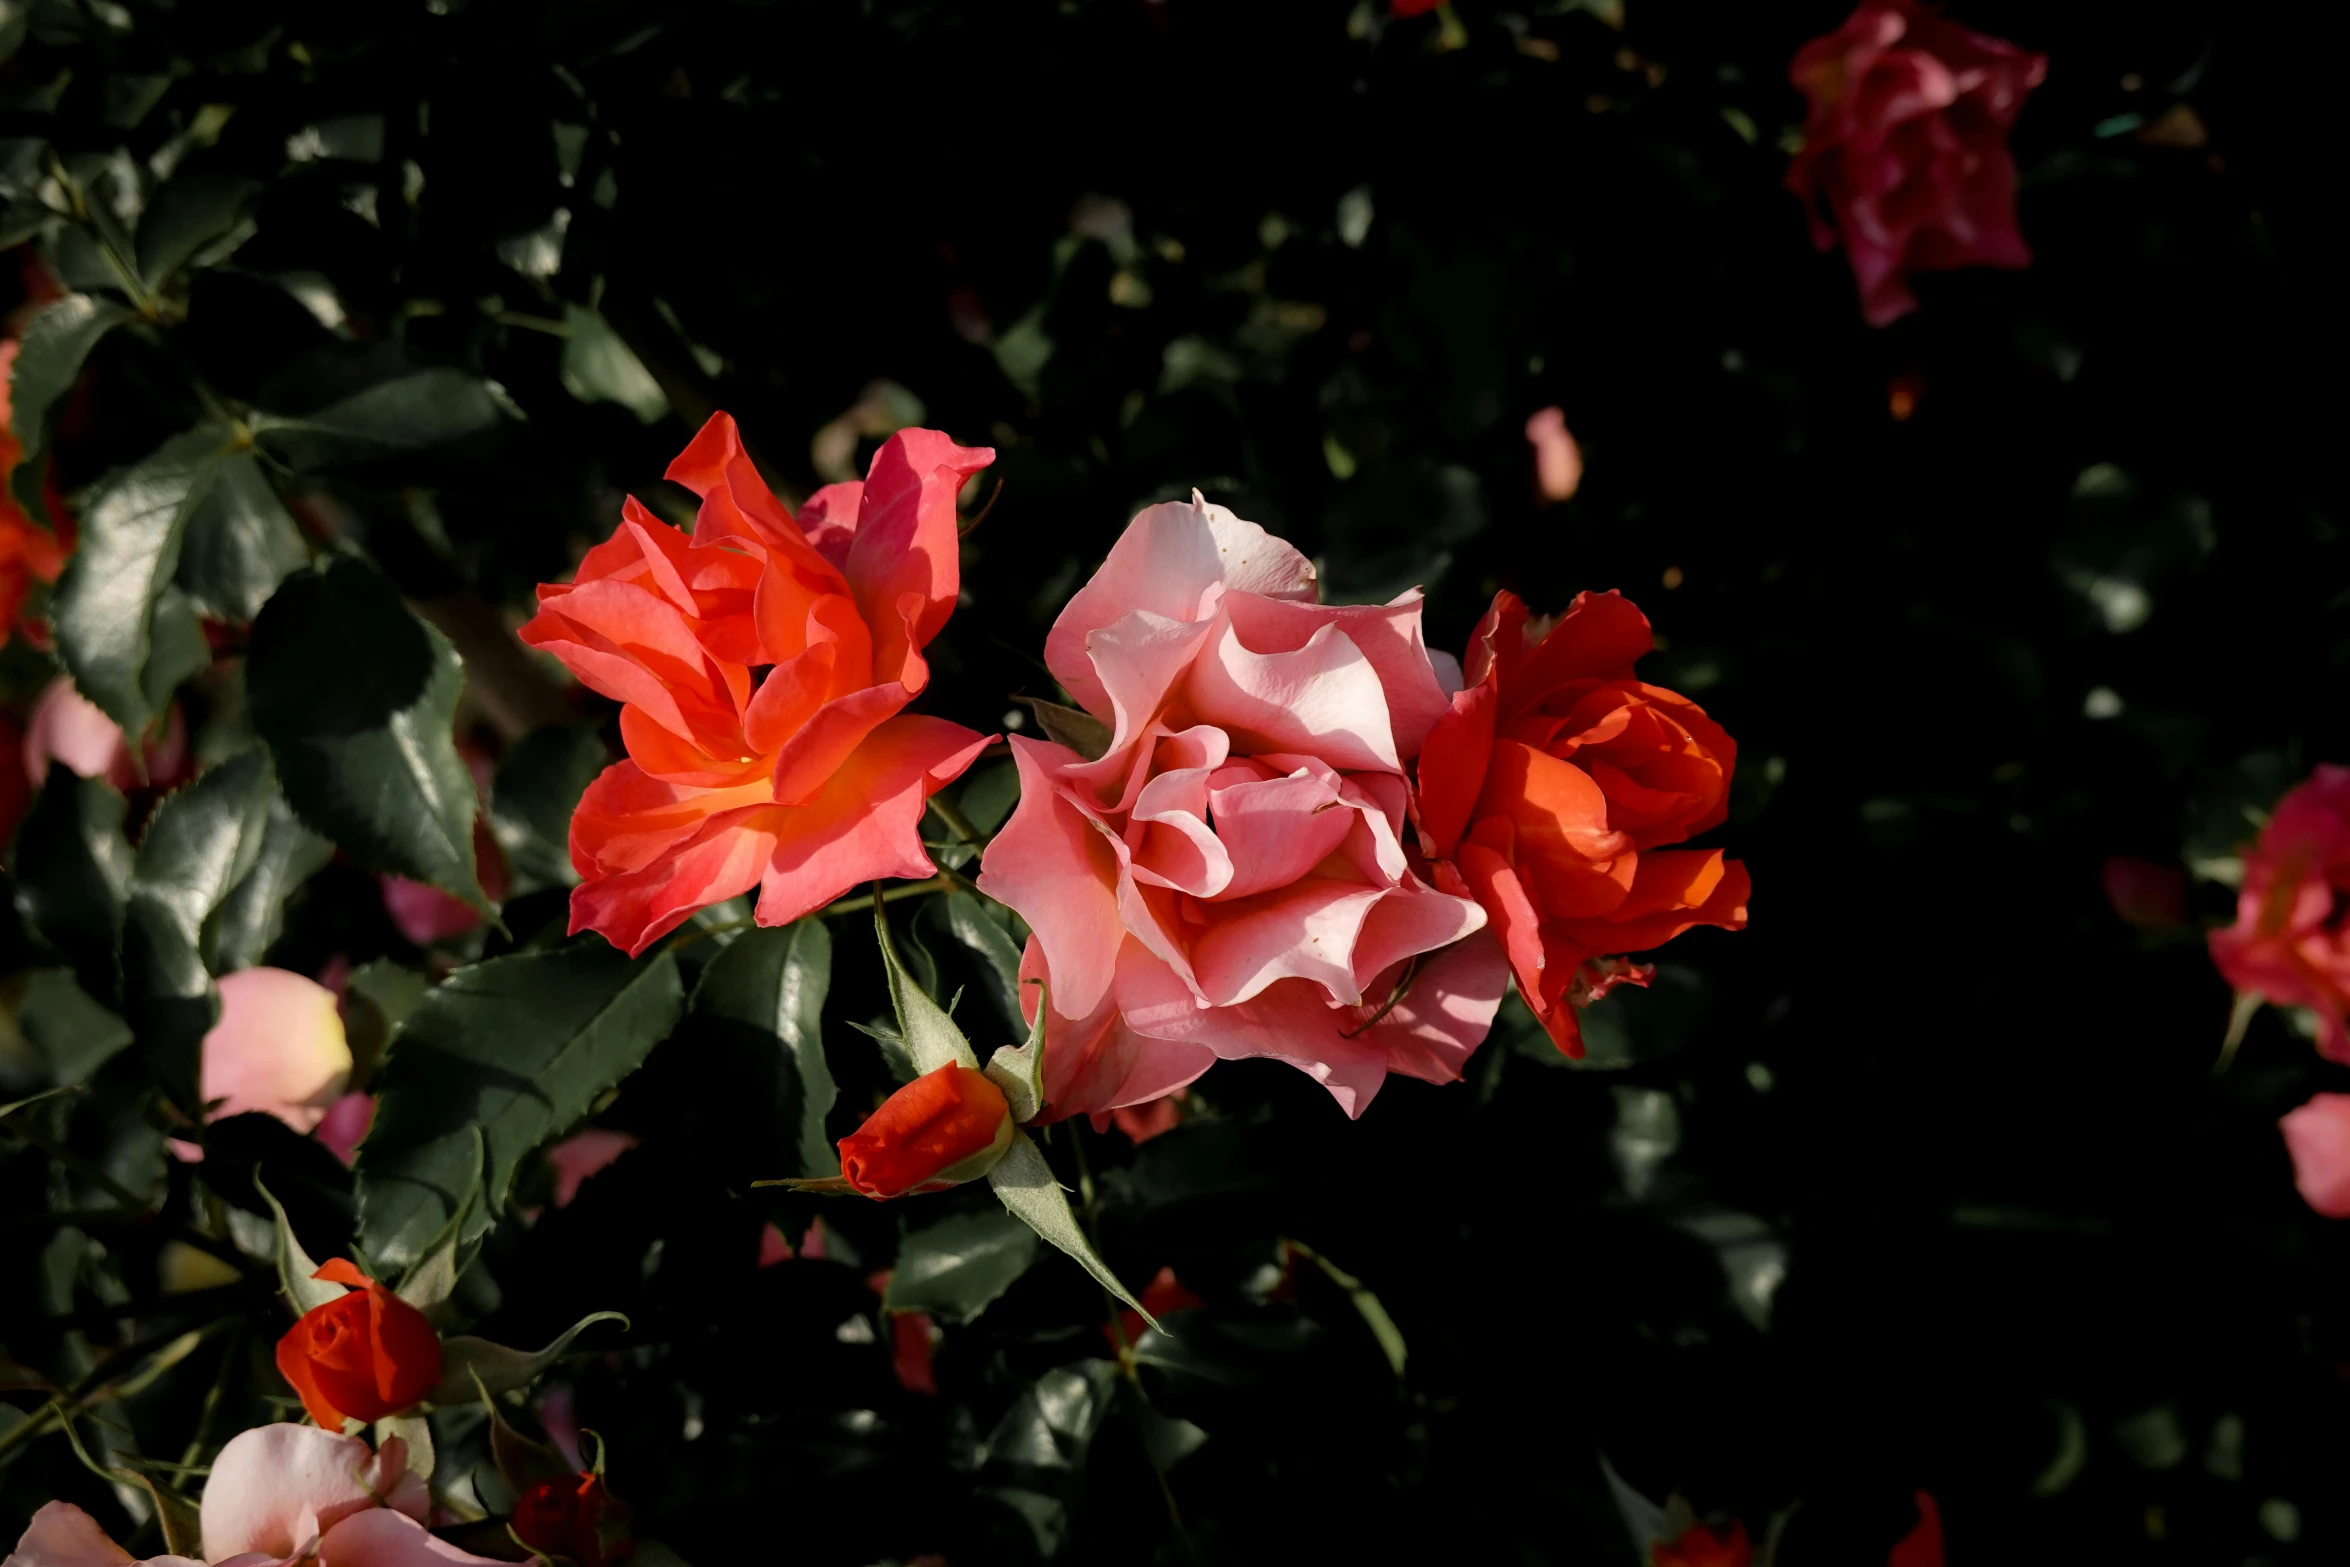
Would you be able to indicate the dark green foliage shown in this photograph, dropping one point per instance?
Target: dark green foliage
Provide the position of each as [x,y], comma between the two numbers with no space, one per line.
[356,697]
[511,1052]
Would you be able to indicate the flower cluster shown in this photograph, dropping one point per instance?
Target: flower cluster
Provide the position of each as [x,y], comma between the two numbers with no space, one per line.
[1270,827]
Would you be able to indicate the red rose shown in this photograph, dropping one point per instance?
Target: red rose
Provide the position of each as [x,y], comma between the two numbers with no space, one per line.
[1699,1546]
[763,664]
[1905,147]
[574,1517]
[2290,944]
[943,1128]
[364,1356]
[28,551]
[1551,788]
[1165,1293]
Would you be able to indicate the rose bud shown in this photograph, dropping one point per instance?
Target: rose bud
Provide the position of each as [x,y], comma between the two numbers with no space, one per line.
[943,1128]
[365,1356]
[573,1517]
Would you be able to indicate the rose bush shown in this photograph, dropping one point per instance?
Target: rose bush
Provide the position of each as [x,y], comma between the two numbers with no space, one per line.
[763,664]
[1229,877]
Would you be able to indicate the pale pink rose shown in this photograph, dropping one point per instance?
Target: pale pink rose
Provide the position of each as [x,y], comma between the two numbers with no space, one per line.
[276,1488]
[1558,461]
[278,1047]
[68,727]
[62,1535]
[425,914]
[584,1154]
[2318,1137]
[1230,877]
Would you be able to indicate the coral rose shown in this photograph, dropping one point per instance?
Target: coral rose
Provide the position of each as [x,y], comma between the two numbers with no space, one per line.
[363,1356]
[1229,878]
[764,665]
[29,553]
[1552,785]
[2290,944]
[943,1128]
[1905,153]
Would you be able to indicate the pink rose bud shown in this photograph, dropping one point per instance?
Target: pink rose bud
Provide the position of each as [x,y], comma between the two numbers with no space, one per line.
[68,727]
[1558,461]
[2318,1137]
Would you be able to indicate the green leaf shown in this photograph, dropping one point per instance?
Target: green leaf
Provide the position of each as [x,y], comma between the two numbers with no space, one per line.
[954,1268]
[192,210]
[1019,1071]
[598,367]
[240,544]
[423,408]
[775,981]
[176,649]
[538,787]
[1025,1183]
[73,1033]
[48,362]
[203,840]
[177,1518]
[357,700]
[519,1048]
[974,924]
[294,1265]
[378,999]
[415,1432]
[73,872]
[930,1036]
[108,600]
[248,921]
[471,1366]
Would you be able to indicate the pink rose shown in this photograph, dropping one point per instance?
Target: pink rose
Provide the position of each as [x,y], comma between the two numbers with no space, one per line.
[2290,944]
[2318,1137]
[279,1495]
[1905,147]
[68,727]
[1229,878]
[279,1047]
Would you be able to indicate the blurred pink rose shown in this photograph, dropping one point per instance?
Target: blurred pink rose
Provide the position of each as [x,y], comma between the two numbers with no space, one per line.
[345,1125]
[2290,944]
[1905,153]
[68,727]
[2318,1137]
[1558,461]
[278,1047]
[1229,878]
[581,1155]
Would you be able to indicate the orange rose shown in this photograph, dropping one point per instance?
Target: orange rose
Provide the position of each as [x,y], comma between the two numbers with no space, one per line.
[362,1357]
[1552,786]
[943,1128]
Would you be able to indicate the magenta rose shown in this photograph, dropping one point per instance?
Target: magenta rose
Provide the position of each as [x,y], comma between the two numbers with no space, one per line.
[1229,878]
[1905,147]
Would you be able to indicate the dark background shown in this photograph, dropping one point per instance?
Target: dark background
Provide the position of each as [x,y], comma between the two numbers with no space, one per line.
[2036,1257]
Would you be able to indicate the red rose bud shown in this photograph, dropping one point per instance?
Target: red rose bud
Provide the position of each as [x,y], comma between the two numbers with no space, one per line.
[573,1517]
[943,1128]
[1700,1546]
[365,1356]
